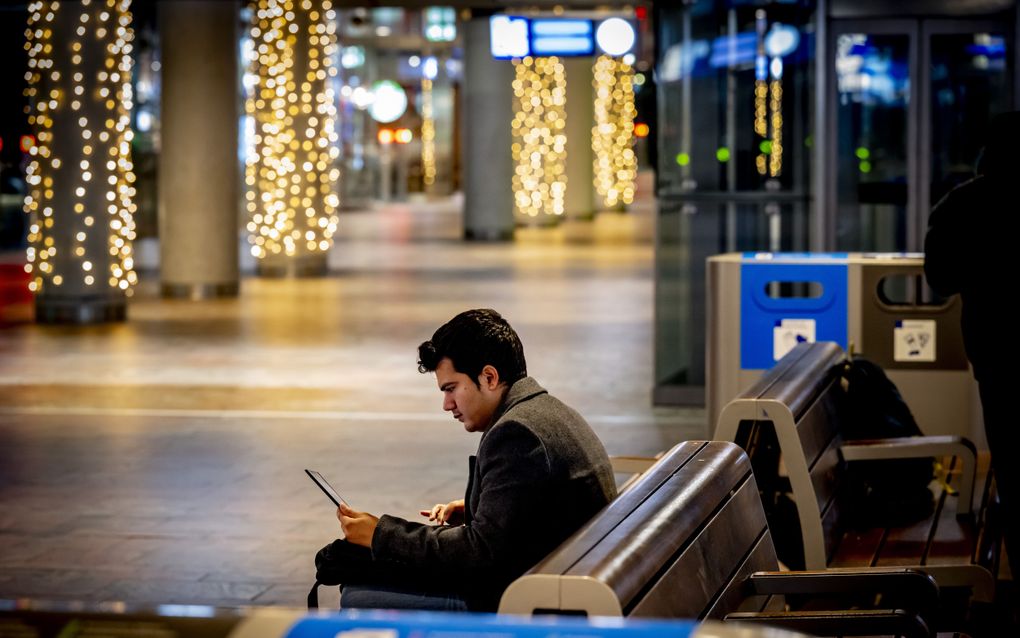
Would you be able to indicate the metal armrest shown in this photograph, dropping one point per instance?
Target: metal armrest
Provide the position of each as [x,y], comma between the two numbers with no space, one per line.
[855,622]
[919,447]
[913,585]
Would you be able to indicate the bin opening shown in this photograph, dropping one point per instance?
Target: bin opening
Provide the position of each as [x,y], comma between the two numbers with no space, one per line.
[794,289]
[909,290]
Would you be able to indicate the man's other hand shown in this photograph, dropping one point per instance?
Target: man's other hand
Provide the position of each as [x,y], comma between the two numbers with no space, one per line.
[451,513]
[358,526]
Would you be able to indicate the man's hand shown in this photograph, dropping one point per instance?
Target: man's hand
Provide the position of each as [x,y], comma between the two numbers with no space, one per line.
[358,526]
[451,513]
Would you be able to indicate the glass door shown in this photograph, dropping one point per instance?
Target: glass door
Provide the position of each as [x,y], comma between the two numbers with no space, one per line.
[909,103]
[873,127]
[968,80]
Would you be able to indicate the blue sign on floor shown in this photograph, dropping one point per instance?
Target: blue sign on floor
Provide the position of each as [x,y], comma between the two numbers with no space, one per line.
[397,624]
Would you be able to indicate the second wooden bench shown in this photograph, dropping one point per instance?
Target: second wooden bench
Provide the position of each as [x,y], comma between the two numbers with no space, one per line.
[801,404]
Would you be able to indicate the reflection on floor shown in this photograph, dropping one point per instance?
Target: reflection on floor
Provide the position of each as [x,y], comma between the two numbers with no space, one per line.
[161,460]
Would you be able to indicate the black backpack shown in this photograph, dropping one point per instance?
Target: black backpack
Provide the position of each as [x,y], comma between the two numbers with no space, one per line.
[328,569]
[890,492]
[343,563]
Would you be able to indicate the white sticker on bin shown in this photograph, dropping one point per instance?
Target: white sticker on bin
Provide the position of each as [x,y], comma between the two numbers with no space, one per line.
[787,333]
[914,340]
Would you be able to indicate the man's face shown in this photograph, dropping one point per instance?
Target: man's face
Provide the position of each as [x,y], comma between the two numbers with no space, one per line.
[470,404]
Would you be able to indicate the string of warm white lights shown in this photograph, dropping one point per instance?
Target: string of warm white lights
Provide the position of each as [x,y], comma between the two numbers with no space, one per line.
[81,198]
[761,93]
[539,137]
[428,134]
[291,173]
[612,137]
[776,109]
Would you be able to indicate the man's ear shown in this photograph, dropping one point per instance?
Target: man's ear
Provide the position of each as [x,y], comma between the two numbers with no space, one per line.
[489,377]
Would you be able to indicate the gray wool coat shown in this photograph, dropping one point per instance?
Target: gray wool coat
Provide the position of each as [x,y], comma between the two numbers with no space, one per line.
[540,473]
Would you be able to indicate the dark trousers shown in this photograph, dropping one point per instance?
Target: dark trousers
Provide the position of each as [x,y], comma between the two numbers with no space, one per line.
[1002,428]
[367,583]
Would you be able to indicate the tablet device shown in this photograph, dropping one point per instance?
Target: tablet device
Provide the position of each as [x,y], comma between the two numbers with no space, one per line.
[326,487]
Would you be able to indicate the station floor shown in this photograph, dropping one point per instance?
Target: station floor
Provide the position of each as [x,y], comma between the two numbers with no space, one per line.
[161,460]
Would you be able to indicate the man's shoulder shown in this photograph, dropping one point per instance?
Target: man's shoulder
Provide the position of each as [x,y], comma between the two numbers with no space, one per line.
[541,410]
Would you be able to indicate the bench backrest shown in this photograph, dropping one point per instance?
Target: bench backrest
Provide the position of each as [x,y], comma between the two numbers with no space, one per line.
[803,400]
[677,544]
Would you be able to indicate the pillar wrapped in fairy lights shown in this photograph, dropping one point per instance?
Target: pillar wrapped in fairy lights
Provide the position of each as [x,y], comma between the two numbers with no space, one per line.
[539,138]
[428,135]
[768,104]
[292,174]
[80,200]
[612,137]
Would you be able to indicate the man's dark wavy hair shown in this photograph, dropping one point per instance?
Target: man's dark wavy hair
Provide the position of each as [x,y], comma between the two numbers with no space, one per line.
[472,340]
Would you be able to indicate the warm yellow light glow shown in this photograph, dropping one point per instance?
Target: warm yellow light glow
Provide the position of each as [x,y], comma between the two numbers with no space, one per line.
[65,186]
[776,109]
[761,120]
[293,107]
[539,137]
[612,137]
[428,134]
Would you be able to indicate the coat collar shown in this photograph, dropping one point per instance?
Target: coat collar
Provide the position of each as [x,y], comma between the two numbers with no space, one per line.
[520,391]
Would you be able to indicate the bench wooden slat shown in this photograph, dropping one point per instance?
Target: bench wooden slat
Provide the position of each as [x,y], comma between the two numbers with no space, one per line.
[599,527]
[761,386]
[826,474]
[907,545]
[833,528]
[731,531]
[799,389]
[956,535]
[816,428]
[735,597]
[684,504]
[858,548]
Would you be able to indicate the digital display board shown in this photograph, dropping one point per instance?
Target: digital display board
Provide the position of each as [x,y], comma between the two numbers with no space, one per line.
[517,36]
[562,37]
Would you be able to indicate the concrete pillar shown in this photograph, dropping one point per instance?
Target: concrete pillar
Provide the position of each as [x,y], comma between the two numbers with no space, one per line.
[80,175]
[488,170]
[580,197]
[198,166]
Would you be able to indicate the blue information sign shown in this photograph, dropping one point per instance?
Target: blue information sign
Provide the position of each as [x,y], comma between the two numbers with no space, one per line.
[395,624]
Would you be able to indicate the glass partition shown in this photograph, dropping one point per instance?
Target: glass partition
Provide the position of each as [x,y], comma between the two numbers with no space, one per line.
[872,113]
[735,83]
[969,83]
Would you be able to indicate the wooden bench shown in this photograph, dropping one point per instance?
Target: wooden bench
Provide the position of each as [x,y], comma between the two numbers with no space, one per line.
[801,405]
[689,539]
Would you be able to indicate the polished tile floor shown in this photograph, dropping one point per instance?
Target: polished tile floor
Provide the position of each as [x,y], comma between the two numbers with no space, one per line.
[160,460]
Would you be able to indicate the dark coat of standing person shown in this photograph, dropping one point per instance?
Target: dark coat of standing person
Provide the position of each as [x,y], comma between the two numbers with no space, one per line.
[971,250]
[540,473]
